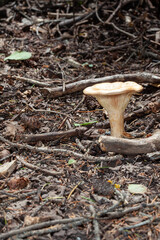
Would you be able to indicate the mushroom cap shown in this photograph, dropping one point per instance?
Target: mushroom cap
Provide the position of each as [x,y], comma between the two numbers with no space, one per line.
[115,88]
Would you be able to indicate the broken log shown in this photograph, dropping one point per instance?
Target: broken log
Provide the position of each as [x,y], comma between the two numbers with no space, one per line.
[141,77]
[131,146]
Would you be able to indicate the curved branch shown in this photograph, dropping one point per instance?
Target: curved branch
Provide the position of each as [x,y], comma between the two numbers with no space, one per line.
[141,77]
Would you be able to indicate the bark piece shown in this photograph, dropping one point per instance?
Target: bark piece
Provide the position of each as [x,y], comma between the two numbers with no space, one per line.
[131,146]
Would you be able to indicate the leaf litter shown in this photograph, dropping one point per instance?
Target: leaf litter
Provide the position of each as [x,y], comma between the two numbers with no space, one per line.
[99,39]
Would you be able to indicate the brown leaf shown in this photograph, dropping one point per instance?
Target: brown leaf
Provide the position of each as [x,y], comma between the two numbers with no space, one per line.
[28,220]
[18,183]
[4,153]
[12,128]
[31,122]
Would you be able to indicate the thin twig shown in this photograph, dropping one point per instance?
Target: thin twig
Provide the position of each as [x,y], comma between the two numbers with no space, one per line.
[95,223]
[39,226]
[122,31]
[32,81]
[148,221]
[60,151]
[36,168]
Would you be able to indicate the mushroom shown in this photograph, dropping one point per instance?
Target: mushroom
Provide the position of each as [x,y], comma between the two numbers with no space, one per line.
[114,98]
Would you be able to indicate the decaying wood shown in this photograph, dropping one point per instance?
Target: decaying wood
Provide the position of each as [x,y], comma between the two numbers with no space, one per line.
[141,77]
[131,146]
[55,135]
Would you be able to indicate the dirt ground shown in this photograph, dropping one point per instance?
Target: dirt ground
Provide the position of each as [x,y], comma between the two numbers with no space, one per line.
[60,184]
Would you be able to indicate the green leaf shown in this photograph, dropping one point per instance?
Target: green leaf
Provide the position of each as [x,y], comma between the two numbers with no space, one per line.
[71,161]
[19,56]
[84,124]
[87,64]
[88,199]
[137,188]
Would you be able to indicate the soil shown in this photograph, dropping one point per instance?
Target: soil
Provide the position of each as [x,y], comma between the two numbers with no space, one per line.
[66,176]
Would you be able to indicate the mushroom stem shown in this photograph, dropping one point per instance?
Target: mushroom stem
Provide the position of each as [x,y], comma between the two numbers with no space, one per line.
[114,107]
[116,123]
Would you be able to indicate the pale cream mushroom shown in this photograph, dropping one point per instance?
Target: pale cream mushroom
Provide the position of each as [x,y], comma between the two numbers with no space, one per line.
[114,98]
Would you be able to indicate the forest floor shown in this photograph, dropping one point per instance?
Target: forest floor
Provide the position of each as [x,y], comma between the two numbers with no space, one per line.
[60,184]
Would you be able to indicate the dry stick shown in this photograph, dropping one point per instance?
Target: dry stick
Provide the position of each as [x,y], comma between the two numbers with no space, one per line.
[54,229]
[112,24]
[62,15]
[36,168]
[79,18]
[110,215]
[122,31]
[95,224]
[121,4]
[141,77]
[118,214]
[32,81]
[148,221]
[54,135]
[115,11]
[19,196]
[38,226]
[61,151]
[131,146]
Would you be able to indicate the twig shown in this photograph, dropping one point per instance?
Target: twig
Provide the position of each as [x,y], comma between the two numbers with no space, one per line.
[121,4]
[55,228]
[78,18]
[141,77]
[49,111]
[36,168]
[62,15]
[118,214]
[75,221]
[112,24]
[148,221]
[131,146]
[114,12]
[95,224]
[122,31]
[54,135]
[38,226]
[20,197]
[73,190]
[6,157]
[153,156]
[32,81]
[60,151]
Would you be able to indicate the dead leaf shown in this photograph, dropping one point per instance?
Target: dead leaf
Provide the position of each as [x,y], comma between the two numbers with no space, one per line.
[12,128]
[4,153]
[28,220]
[18,183]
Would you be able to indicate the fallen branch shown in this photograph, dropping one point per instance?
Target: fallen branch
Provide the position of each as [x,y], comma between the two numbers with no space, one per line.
[39,226]
[47,227]
[55,135]
[61,151]
[141,77]
[36,168]
[131,146]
